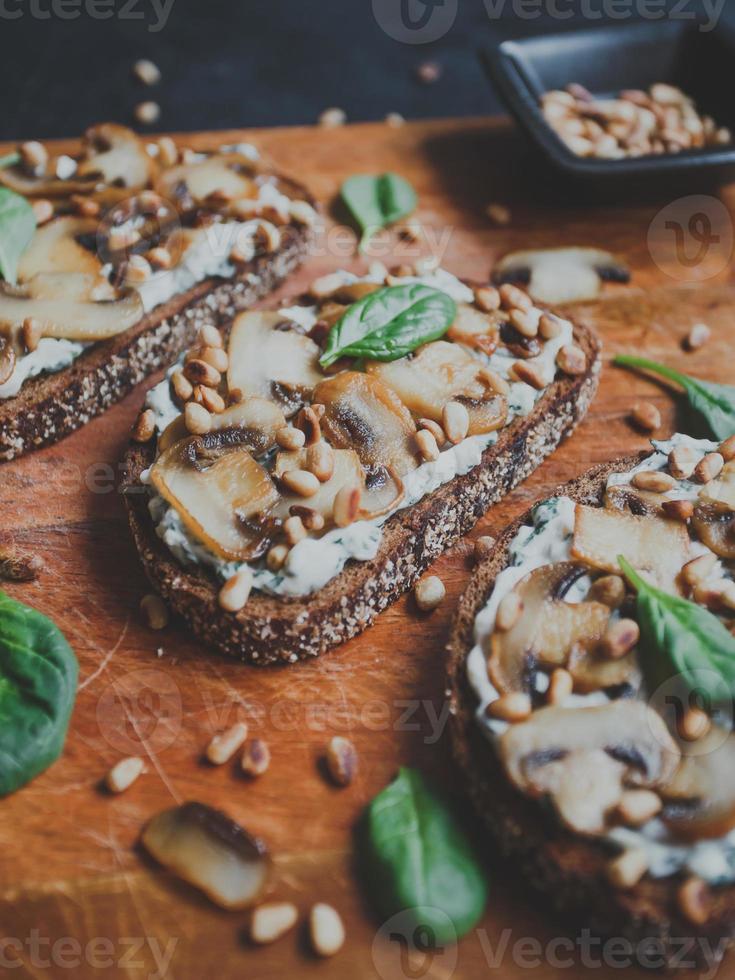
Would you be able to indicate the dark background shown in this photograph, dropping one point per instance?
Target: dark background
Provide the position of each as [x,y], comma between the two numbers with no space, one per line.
[231,63]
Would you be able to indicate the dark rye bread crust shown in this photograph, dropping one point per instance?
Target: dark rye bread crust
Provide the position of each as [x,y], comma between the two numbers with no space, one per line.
[51,406]
[562,866]
[271,629]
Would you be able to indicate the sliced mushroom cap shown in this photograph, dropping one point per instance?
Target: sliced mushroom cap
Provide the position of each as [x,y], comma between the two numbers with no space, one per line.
[547,628]
[223,496]
[7,359]
[45,185]
[347,473]
[210,851]
[363,414]
[583,758]
[55,247]
[475,329]
[439,373]
[700,799]
[561,275]
[592,670]
[192,184]
[272,358]
[115,156]
[383,492]
[643,503]
[651,544]
[257,419]
[714,514]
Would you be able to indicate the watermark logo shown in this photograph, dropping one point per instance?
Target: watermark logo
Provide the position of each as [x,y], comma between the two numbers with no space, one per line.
[140,710]
[691,239]
[415,21]
[155,13]
[406,948]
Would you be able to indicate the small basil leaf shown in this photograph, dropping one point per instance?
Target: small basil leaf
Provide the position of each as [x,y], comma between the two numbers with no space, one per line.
[419,862]
[683,640]
[38,681]
[714,403]
[377,201]
[390,323]
[17,224]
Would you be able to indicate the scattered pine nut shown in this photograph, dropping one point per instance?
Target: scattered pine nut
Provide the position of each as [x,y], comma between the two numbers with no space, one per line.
[694,899]
[84,206]
[216,357]
[308,420]
[31,333]
[487,299]
[326,930]
[346,506]
[290,438]
[620,639]
[697,336]
[509,609]
[137,269]
[429,72]
[256,758]
[429,593]
[155,611]
[34,157]
[499,214]
[160,257]
[147,72]
[572,360]
[124,773]
[332,118]
[293,528]
[209,336]
[654,480]
[511,297]
[608,589]
[483,546]
[341,759]
[708,468]
[197,419]
[627,869]
[211,400]
[435,429]
[223,746]
[235,593]
[395,120]
[145,426]
[147,113]
[276,557]
[638,806]
[313,520]
[426,442]
[324,286]
[561,686]
[43,210]
[698,569]
[320,461]
[183,388]
[694,724]
[300,482]
[727,449]
[199,372]
[271,921]
[456,421]
[682,461]
[549,326]
[512,707]
[529,374]
[646,416]
[493,380]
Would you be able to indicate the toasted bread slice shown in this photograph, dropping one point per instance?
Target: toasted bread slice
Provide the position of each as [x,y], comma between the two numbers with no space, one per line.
[271,629]
[568,870]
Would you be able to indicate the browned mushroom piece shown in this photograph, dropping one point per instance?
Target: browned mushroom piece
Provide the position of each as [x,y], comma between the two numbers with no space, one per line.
[592,670]
[347,473]
[652,545]
[383,492]
[257,419]
[547,629]
[714,513]
[561,275]
[582,759]
[231,176]
[643,503]
[271,357]
[207,849]
[223,496]
[115,156]
[56,248]
[699,802]
[437,374]
[475,328]
[7,359]
[363,414]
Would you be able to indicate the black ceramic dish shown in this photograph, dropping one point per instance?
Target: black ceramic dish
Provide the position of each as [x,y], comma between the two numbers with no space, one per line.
[607,60]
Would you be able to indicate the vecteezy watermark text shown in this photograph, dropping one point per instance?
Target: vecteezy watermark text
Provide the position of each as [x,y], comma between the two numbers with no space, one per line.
[121,954]
[154,12]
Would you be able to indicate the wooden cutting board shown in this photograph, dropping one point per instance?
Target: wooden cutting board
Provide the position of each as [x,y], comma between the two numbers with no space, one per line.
[75,890]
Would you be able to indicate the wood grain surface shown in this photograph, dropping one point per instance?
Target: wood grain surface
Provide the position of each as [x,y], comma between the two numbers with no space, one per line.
[76,895]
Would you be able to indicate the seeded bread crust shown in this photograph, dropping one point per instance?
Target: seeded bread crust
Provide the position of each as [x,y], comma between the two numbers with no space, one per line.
[51,406]
[562,866]
[272,630]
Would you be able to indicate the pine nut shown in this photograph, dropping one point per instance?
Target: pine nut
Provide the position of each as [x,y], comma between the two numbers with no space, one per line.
[137,269]
[572,360]
[638,806]
[525,322]
[698,336]
[493,380]
[31,333]
[509,610]
[160,257]
[223,746]
[499,214]
[201,373]
[212,400]
[487,299]
[620,639]
[303,213]
[326,930]
[483,546]
[301,482]
[215,356]
[271,921]
[290,438]
[429,593]
[168,153]
[346,506]
[654,480]
[293,528]
[561,686]
[456,421]
[708,468]
[511,297]
[426,442]
[209,336]
[235,593]
[155,611]
[341,759]
[147,72]
[276,557]
[646,416]
[320,461]
[694,899]
[678,510]
[682,461]
[124,773]
[43,210]
[197,419]
[608,589]
[529,374]
[698,569]
[183,388]
[146,113]
[627,869]
[332,118]
[84,206]
[34,157]
[313,520]
[256,758]
[145,426]
[694,724]
[326,286]
[727,449]
[549,326]
[308,421]
[512,707]
[435,429]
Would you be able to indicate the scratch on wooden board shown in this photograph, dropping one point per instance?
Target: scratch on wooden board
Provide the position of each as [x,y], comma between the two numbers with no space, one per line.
[107,657]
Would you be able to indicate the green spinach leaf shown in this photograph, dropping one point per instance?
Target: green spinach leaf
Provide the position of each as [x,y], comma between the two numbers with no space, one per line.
[683,640]
[390,323]
[9,160]
[377,201]
[714,403]
[38,681]
[17,224]
[419,862]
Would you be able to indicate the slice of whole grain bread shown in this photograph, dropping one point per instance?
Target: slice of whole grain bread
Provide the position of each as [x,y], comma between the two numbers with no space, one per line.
[566,869]
[271,629]
[51,406]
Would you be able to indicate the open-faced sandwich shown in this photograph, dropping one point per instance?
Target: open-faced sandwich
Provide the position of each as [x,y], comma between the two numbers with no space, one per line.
[592,670]
[113,259]
[294,481]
